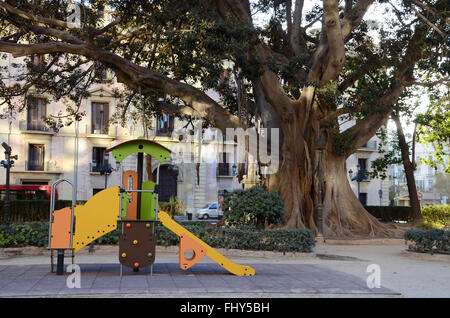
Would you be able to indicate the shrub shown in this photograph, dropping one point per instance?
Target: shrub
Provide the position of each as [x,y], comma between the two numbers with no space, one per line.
[173,207]
[437,215]
[254,206]
[428,241]
[35,233]
[240,237]
[244,238]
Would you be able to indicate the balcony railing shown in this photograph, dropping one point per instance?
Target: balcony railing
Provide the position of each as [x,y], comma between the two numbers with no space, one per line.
[27,126]
[95,167]
[33,165]
[109,132]
[370,145]
[224,170]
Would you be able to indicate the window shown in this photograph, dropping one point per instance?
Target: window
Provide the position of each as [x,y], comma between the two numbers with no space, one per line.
[213,205]
[36,154]
[362,162]
[100,117]
[164,124]
[101,73]
[363,198]
[36,113]
[38,60]
[97,158]
[224,166]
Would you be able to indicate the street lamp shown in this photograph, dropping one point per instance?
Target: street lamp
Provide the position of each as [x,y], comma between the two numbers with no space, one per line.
[360,175]
[320,145]
[8,163]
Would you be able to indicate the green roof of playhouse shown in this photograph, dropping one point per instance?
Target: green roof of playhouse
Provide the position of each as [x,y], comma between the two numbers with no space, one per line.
[129,147]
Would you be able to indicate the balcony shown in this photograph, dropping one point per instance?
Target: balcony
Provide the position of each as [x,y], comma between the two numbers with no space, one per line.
[48,167]
[95,168]
[34,128]
[107,133]
[224,170]
[371,145]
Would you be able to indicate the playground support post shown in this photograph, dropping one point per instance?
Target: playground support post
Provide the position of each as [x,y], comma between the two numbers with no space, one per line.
[140,170]
[60,256]
[60,262]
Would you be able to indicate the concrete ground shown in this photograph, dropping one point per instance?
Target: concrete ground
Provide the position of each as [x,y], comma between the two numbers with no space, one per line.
[403,274]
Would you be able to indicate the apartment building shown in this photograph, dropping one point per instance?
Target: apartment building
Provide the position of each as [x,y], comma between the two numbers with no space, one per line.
[46,156]
[372,191]
[425,177]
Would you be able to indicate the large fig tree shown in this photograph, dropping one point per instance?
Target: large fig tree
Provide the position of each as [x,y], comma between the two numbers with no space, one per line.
[300,66]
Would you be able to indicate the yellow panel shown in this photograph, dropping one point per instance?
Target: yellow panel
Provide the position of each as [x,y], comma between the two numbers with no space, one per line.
[97,217]
[236,269]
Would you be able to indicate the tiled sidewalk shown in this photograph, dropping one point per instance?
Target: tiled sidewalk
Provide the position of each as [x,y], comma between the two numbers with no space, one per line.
[168,278]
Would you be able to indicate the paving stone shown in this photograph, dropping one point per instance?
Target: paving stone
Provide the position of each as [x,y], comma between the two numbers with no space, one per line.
[168,278]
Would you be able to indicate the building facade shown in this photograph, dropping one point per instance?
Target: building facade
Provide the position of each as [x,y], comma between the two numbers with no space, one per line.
[195,173]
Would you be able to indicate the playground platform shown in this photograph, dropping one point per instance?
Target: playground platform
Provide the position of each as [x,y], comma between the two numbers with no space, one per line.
[169,280]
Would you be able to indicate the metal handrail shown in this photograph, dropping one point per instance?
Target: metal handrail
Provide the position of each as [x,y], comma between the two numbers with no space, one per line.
[52,208]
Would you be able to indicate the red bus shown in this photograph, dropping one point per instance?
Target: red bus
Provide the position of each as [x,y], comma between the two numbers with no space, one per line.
[27,192]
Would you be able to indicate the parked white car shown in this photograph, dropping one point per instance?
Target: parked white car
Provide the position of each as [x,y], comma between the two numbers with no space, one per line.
[208,211]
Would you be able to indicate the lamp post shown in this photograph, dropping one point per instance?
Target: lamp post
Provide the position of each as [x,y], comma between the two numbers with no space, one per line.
[358,177]
[7,164]
[320,145]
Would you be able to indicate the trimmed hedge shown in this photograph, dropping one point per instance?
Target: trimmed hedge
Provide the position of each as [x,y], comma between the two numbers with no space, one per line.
[390,213]
[244,238]
[428,241]
[32,210]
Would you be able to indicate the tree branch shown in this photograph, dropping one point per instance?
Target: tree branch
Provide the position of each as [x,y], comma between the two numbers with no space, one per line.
[429,23]
[31,17]
[298,43]
[135,76]
[336,55]
[353,17]
[367,67]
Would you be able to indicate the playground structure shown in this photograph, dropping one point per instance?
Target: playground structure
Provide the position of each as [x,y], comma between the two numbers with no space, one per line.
[133,205]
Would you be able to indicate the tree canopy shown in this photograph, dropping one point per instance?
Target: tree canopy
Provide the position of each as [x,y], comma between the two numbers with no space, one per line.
[302,69]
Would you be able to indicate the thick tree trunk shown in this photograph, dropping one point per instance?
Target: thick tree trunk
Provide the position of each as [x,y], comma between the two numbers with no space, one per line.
[297,183]
[409,172]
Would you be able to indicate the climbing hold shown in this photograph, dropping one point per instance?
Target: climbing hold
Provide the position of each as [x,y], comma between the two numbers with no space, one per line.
[147,225]
[124,254]
[136,264]
[135,242]
[149,254]
[128,225]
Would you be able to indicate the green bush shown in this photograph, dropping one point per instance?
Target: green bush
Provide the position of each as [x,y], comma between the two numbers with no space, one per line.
[436,214]
[173,207]
[390,213]
[244,238]
[254,206]
[33,233]
[428,241]
[32,210]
